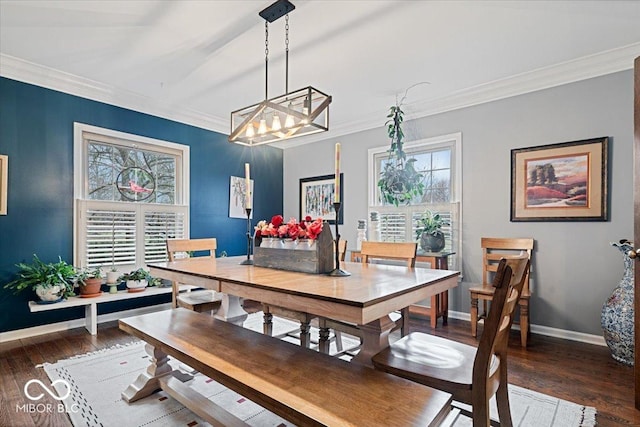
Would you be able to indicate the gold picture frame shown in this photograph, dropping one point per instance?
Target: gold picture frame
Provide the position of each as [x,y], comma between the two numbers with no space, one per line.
[560,182]
[4,177]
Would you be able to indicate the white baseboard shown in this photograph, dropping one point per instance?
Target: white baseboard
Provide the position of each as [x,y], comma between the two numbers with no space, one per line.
[540,330]
[78,323]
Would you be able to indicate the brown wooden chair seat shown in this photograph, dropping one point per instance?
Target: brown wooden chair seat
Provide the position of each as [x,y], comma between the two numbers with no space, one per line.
[472,375]
[494,249]
[190,297]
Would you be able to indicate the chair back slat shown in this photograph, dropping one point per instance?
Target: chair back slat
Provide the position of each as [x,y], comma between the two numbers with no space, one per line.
[191,245]
[389,250]
[496,248]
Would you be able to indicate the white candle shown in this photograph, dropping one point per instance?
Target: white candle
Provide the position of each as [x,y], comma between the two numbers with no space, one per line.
[247,186]
[336,197]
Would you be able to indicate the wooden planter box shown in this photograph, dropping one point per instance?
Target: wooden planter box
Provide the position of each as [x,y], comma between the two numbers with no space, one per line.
[319,260]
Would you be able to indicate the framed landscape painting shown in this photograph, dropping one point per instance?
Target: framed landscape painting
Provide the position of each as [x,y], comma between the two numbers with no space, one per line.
[560,182]
[317,195]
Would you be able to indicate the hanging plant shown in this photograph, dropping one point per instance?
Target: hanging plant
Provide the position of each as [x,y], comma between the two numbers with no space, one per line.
[399,181]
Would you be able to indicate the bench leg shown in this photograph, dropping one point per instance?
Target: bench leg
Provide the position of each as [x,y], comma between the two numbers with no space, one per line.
[375,337]
[91,318]
[231,310]
[147,382]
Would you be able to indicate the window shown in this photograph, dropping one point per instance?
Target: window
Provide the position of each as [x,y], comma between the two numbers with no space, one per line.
[438,159]
[131,194]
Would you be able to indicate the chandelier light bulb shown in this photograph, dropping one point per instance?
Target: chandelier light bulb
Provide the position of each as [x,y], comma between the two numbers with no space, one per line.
[275,125]
[251,132]
[262,129]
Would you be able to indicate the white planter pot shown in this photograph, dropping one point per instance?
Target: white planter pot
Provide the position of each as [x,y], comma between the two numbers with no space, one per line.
[136,285]
[112,277]
[49,293]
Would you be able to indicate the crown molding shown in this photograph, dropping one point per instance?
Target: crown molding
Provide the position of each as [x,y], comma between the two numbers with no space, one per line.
[599,64]
[29,72]
[587,67]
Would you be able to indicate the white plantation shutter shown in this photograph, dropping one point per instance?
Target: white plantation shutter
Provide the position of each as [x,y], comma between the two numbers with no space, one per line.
[393,226]
[158,227]
[110,237]
[110,231]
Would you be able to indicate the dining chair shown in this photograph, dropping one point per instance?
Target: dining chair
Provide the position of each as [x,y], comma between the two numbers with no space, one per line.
[403,252]
[472,375]
[193,298]
[305,319]
[494,249]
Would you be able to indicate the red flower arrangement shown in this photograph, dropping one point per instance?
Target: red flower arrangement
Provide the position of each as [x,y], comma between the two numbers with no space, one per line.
[306,229]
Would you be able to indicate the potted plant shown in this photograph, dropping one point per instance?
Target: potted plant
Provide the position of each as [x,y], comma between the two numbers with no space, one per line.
[399,181]
[136,280]
[429,231]
[51,281]
[113,275]
[89,280]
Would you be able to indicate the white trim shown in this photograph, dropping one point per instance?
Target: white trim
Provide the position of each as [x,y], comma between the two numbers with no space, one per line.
[586,67]
[36,74]
[546,331]
[78,323]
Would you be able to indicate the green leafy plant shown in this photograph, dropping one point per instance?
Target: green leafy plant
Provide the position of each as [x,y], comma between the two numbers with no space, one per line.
[430,223]
[399,181]
[139,274]
[47,275]
[88,273]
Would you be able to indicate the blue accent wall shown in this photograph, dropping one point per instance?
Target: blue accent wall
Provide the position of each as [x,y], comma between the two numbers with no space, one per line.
[36,132]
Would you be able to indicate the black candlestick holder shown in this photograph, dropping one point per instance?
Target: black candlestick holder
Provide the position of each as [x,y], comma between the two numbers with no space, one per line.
[338,272]
[248,261]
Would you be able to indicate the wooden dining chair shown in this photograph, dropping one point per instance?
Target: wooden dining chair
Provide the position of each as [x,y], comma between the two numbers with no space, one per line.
[193,298]
[404,252]
[472,375]
[494,249]
[305,319]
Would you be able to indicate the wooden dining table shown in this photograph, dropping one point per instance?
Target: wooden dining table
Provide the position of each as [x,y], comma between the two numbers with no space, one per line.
[365,298]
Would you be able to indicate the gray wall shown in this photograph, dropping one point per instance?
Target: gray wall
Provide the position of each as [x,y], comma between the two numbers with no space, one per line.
[575,268]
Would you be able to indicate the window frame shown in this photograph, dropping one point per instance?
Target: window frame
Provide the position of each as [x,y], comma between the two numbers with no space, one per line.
[83,133]
[453,141]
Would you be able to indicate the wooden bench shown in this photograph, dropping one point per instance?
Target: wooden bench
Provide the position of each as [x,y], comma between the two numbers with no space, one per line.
[303,386]
[91,304]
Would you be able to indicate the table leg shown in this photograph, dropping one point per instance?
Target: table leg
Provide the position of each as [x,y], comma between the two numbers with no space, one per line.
[323,342]
[231,310]
[375,337]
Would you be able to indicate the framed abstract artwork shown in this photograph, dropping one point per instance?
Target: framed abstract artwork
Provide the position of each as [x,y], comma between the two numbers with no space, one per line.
[317,196]
[237,197]
[560,182]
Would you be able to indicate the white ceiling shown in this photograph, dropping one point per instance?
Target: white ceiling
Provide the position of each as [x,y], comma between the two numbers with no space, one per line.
[196,61]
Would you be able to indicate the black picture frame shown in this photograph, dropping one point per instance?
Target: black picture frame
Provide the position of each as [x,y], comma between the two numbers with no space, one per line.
[317,196]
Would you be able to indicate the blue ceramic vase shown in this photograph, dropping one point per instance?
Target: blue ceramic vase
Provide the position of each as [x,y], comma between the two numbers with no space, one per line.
[617,312]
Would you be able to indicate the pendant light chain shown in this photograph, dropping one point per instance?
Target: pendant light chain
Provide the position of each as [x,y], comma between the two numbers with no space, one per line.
[266,60]
[286,53]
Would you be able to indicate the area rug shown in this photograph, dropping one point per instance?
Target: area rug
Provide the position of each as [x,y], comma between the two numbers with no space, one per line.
[97,379]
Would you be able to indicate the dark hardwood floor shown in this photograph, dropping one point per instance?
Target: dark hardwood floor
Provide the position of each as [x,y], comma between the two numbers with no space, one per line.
[569,370]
